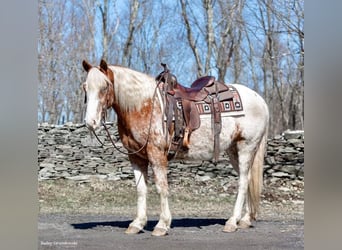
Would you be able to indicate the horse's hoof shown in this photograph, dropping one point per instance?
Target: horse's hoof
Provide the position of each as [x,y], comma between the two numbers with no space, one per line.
[159,231]
[229,228]
[132,230]
[244,224]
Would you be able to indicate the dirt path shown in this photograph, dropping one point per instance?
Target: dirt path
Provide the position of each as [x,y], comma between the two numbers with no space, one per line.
[95,215]
[58,231]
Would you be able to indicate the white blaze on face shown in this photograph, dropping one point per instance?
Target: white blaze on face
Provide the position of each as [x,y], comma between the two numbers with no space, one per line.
[93,113]
[96,81]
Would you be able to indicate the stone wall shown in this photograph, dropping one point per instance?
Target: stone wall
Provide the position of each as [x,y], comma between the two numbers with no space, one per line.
[68,151]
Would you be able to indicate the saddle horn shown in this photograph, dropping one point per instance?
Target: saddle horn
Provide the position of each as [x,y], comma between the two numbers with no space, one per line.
[164,65]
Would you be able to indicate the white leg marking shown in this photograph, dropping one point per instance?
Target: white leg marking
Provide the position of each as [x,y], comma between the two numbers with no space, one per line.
[244,165]
[165,216]
[141,218]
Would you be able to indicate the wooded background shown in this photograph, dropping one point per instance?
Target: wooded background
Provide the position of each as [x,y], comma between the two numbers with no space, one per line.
[258,43]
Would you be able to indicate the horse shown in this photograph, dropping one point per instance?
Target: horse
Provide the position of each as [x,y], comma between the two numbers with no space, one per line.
[139,108]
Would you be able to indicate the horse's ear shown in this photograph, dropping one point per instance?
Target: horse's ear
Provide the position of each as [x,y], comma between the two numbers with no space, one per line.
[86,65]
[103,65]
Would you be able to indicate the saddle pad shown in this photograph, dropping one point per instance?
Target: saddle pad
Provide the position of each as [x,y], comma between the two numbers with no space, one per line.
[232,107]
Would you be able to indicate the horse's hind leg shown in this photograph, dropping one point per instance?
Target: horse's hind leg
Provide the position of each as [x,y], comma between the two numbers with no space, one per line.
[241,156]
[140,172]
[255,181]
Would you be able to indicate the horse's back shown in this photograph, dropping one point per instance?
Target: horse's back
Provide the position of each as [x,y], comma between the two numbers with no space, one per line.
[251,124]
[251,100]
[254,105]
[256,115]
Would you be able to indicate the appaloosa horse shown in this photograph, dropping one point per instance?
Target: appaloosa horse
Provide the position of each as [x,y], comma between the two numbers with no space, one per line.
[139,108]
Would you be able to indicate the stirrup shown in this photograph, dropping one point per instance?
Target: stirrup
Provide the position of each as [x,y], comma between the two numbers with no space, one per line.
[186,138]
[173,149]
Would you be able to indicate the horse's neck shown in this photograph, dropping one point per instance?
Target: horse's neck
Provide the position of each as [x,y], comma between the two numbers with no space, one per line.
[123,117]
[111,99]
[132,88]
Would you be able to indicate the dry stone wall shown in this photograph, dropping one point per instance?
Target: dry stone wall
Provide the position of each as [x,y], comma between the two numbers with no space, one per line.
[69,151]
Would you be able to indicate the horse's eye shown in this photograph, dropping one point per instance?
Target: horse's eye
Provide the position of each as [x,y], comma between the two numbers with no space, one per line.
[104,89]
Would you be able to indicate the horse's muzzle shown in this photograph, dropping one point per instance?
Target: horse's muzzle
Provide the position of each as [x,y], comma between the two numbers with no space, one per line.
[91,124]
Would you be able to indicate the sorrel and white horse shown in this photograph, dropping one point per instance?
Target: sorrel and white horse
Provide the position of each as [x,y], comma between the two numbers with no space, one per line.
[140,124]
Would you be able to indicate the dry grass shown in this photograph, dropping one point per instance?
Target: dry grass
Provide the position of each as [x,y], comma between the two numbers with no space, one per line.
[214,198]
[119,197]
[65,196]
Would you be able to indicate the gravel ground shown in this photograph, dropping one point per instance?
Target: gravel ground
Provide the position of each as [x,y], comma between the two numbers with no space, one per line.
[94,215]
[107,232]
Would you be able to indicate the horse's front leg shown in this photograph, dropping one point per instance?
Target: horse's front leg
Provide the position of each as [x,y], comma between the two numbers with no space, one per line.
[140,173]
[160,174]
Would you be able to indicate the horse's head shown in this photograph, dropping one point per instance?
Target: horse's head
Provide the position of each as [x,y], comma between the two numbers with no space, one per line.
[99,90]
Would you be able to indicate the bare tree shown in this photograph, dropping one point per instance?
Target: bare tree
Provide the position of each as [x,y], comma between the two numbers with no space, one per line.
[218,39]
[51,26]
[109,28]
[259,43]
[282,82]
[228,44]
[191,39]
[134,8]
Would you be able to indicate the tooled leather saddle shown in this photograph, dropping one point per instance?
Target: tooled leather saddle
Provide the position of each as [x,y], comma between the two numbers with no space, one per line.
[181,113]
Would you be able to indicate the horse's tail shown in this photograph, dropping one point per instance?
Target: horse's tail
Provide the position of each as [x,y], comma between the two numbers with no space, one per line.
[255,178]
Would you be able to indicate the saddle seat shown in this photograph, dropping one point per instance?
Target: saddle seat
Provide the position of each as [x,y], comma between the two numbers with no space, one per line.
[200,89]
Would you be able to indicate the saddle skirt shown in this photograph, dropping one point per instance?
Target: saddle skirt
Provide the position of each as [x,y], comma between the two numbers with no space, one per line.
[228,107]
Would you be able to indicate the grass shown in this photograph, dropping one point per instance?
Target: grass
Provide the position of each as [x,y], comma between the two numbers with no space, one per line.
[119,197]
[65,196]
[188,198]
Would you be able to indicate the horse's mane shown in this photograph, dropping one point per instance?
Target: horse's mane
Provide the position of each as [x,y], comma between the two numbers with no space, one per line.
[131,88]
[96,78]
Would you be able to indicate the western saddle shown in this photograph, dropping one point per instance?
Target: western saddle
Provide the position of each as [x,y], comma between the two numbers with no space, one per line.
[182,116]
